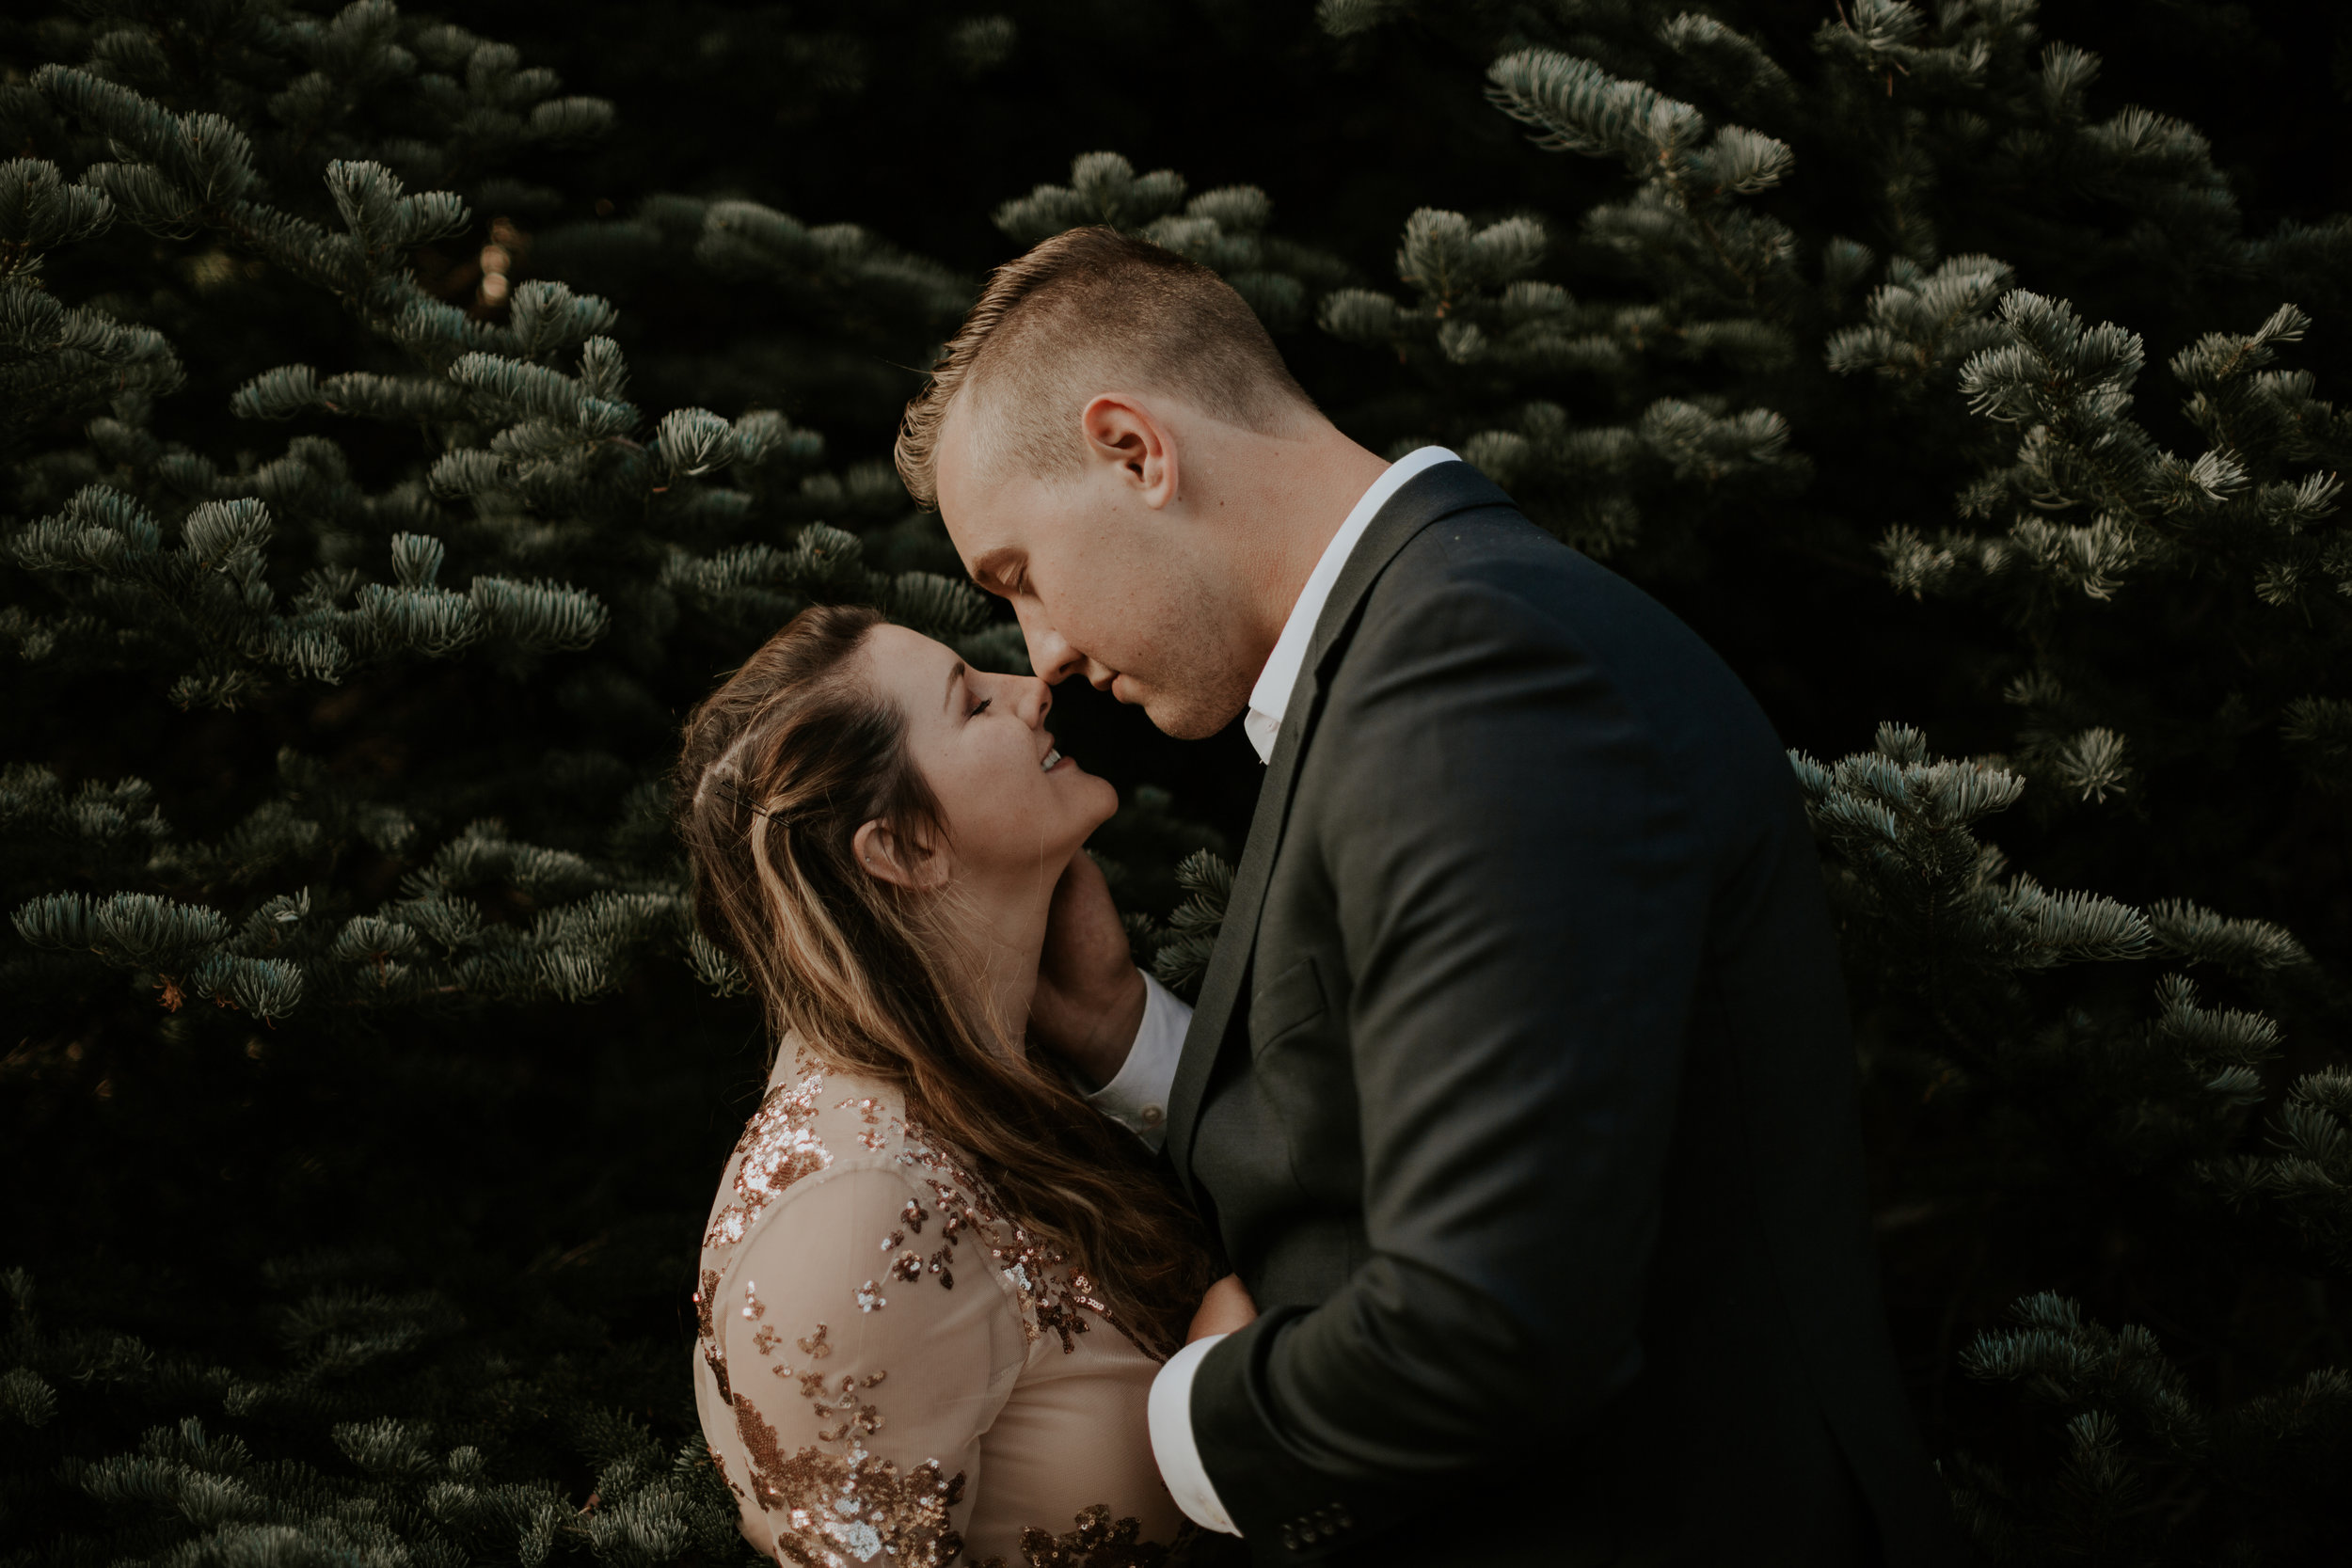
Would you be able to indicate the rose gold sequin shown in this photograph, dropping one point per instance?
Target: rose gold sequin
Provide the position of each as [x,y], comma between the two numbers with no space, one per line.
[777,1148]
[871,1135]
[1049,1303]
[850,1506]
[837,1504]
[1097,1543]
[718,1462]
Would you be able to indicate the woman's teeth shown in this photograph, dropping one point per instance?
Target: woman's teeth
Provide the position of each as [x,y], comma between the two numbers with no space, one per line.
[1051,758]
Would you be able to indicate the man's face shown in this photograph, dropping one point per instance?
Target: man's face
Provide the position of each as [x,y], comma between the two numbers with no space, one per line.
[1109,579]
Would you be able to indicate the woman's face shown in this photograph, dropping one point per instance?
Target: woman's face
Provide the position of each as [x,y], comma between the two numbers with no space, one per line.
[1013,803]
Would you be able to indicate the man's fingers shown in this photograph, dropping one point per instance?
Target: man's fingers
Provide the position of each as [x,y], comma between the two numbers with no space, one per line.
[1083,929]
[1225,1309]
[1089,998]
[1079,879]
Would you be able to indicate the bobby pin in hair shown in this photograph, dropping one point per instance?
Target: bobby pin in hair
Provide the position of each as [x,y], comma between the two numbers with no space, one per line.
[741,800]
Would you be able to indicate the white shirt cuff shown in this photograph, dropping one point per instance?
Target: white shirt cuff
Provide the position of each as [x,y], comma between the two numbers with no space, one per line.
[1171,1415]
[1137,1095]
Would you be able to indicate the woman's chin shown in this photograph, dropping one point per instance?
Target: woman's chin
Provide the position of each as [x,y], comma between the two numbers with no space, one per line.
[1085,803]
[1106,806]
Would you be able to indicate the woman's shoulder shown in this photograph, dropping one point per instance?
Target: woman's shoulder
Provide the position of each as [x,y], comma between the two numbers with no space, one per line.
[835,1189]
[831,1165]
[814,1125]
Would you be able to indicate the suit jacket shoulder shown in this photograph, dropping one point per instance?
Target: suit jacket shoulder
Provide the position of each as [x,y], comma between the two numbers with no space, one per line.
[1486,581]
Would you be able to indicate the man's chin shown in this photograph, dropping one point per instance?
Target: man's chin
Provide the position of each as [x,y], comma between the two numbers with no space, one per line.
[1184,720]
[1179,715]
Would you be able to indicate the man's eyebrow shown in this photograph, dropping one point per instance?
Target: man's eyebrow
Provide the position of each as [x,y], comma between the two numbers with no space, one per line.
[953,675]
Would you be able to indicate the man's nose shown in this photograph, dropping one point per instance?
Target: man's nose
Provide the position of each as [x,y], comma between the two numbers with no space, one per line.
[1050,654]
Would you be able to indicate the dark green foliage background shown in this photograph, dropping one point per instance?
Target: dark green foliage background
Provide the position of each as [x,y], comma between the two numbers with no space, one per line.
[477,1222]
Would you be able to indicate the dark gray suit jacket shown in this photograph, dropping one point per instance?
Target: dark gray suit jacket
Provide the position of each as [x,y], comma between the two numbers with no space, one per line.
[1521,1096]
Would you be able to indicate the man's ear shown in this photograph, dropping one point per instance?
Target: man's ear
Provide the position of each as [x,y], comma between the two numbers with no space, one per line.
[1123,431]
[889,857]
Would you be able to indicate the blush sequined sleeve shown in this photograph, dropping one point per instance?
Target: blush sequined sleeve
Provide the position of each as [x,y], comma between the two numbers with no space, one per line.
[892,1372]
[826,1312]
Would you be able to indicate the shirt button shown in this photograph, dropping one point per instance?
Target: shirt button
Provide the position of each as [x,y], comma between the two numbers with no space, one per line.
[1152,1115]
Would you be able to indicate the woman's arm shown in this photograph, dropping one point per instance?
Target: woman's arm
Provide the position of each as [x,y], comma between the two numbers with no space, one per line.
[859,1378]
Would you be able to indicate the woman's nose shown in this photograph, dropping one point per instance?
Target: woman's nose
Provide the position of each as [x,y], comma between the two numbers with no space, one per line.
[1035,701]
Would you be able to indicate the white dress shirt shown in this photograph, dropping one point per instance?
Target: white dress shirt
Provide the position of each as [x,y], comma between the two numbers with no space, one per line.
[1137,1096]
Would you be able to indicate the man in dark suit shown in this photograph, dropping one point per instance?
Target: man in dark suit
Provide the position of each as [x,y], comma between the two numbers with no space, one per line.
[1520,1095]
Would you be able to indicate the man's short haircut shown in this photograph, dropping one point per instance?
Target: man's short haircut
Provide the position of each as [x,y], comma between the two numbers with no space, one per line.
[1085,312]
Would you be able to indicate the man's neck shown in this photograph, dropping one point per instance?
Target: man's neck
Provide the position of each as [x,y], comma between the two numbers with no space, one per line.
[1304,492]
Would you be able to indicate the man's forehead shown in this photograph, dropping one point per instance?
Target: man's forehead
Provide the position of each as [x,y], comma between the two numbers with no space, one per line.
[986,509]
[963,491]
[985,531]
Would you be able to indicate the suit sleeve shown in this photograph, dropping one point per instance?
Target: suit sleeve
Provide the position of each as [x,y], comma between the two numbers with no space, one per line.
[1522,890]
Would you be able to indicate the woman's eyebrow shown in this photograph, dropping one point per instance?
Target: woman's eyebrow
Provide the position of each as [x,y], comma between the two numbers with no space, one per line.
[953,675]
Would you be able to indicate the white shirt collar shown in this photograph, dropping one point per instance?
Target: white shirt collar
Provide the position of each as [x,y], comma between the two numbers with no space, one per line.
[1271,696]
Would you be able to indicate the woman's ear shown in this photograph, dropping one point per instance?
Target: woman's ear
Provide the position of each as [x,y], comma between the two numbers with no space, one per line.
[886,857]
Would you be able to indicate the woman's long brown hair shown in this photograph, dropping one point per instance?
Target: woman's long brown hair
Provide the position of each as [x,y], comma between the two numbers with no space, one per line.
[780,768]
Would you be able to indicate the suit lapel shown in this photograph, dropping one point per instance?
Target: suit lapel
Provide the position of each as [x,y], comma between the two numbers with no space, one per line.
[1435,493]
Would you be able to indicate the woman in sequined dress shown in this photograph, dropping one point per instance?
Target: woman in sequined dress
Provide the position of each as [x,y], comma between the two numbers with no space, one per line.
[935,1284]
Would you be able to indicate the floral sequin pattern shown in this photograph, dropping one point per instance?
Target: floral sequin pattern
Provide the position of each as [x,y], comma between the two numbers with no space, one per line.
[839,1504]
[1099,1541]
[779,1147]
[835,1502]
[1054,1299]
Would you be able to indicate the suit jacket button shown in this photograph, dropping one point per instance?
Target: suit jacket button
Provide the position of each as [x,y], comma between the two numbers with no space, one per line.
[1308,1536]
[1290,1539]
[1339,1514]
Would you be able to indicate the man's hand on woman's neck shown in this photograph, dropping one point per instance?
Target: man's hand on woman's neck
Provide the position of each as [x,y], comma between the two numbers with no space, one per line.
[1089,997]
[1074,998]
